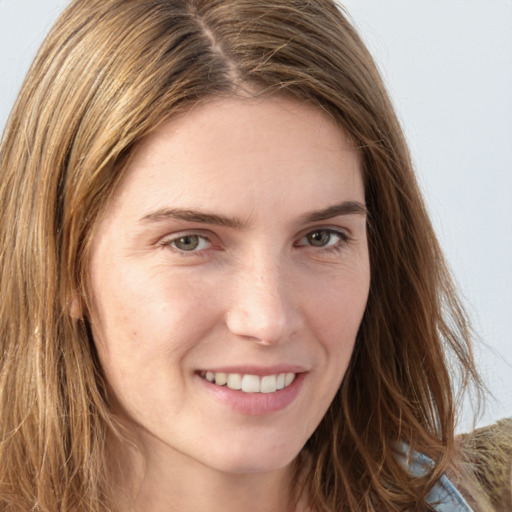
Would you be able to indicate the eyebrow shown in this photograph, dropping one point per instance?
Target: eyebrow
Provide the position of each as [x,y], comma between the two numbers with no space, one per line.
[344,208]
[194,216]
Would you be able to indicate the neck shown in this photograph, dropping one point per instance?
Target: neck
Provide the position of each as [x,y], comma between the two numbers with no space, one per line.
[171,481]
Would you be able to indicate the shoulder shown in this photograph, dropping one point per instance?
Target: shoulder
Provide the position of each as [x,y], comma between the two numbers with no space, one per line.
[489,452]
[444,496]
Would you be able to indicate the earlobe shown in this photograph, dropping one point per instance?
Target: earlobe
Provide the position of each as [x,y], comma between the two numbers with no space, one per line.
[75,307]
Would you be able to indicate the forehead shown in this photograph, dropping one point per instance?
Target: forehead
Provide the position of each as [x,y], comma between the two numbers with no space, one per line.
[234,151]
[237,117]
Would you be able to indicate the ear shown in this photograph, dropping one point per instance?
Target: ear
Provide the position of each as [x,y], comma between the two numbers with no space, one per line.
[75,307]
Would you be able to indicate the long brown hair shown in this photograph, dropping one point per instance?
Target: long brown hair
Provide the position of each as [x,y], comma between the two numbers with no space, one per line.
[108,74]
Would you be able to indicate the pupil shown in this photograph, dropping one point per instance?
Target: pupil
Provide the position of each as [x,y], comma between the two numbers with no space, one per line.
[319,238]
[187,243]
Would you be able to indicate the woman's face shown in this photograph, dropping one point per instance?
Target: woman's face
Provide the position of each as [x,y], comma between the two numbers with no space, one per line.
[235,250]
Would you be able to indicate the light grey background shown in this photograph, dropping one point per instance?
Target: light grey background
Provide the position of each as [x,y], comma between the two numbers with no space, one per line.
[448,66]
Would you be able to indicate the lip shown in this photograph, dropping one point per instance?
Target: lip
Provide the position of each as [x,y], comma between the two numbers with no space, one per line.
[256,370]
[255,404]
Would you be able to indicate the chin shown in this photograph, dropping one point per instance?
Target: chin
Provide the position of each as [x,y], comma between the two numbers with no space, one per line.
[244,460]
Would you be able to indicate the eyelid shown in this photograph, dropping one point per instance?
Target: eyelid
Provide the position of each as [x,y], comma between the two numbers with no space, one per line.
[168,240]
[342,233]
[337,230]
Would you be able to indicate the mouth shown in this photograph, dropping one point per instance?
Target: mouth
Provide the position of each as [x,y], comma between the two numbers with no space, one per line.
[248,383]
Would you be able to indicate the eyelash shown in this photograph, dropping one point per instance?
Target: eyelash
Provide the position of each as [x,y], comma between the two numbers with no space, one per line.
[338,246]
[170,243]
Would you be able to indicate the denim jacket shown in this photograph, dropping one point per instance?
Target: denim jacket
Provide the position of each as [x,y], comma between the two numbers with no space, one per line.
[444,496]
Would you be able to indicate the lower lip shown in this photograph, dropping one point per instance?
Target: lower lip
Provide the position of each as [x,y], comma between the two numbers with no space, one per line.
[256,404]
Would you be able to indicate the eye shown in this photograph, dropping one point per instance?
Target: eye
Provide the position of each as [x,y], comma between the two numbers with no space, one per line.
[323,238]
[189,243]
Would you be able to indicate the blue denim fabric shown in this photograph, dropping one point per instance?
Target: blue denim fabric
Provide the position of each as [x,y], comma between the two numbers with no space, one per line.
[444,496]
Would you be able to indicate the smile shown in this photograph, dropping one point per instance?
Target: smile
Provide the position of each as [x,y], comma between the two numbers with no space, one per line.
[250,383]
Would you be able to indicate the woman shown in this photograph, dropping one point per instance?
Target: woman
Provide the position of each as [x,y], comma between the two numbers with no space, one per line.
[222,289]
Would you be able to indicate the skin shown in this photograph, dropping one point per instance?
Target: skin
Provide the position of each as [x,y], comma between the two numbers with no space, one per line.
[273,286]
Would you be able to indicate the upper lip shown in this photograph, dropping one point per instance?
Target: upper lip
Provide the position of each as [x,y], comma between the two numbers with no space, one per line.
[260,371]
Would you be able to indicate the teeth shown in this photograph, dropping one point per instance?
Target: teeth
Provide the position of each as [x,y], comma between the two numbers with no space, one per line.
[290,377]
[220,379]
[234,381]
[268,384]
[251,383]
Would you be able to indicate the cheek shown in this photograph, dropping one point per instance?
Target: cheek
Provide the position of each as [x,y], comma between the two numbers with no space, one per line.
[338,311]
[141,346]
[338,315]
[335,318]
[142,311]
[146,328]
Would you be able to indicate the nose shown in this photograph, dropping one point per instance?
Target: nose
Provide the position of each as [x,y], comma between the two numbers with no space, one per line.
[264,305]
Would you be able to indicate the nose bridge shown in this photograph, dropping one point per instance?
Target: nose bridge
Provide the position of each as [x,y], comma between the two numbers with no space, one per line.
[263,306]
